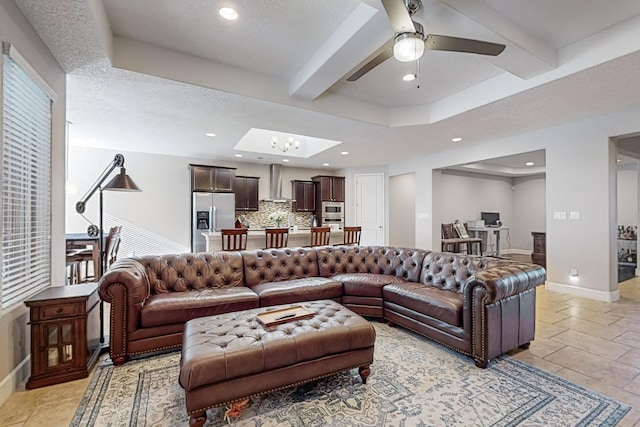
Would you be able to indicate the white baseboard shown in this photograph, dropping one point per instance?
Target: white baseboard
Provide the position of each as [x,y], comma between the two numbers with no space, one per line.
[515,251]
[583,292]
[11,382]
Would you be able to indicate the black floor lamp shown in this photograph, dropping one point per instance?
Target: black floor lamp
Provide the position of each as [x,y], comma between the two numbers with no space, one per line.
[120,182]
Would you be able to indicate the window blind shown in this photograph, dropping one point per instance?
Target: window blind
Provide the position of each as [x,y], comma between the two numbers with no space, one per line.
[26,184]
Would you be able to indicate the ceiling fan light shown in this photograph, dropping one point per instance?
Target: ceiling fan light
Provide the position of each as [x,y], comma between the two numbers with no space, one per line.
[408,47]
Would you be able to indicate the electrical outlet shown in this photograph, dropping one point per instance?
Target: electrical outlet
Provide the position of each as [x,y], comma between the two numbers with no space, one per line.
[573,272]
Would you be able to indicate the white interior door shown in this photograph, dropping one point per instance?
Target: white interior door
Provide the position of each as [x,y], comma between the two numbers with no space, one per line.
[370,208]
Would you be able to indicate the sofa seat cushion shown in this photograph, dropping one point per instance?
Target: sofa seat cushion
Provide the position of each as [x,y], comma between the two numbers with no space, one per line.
[443,305]
[365,284]
[288,291]
[179,307]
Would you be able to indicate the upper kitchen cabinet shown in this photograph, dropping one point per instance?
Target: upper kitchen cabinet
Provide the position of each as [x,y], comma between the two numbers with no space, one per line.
[329,188]
[212,178]
[246,188]
[304,195]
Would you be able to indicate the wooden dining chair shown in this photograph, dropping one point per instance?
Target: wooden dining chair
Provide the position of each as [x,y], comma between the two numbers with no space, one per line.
[352,235]
[452,242]
[234,239]
[320,236]
[276,237]
[111,245]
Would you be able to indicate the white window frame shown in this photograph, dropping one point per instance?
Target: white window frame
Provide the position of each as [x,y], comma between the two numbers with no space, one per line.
[25,263]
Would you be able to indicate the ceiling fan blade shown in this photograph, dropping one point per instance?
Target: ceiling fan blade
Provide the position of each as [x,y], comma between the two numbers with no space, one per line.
[457,44]
[386,52]
[399,16]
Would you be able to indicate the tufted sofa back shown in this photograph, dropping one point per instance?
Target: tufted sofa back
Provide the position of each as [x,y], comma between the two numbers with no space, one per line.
[191,271]
[399,262]
[274,265]
[449,271]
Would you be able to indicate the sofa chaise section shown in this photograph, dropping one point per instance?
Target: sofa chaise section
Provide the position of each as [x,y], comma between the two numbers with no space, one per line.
[479,306]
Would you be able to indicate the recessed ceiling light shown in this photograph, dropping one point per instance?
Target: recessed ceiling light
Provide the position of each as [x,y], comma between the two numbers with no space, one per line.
[228,13]
[457,139]
[211,134]
[285,160]
[325,164]
[409,77]
[344,153]
[238,155]
[618,160]
[529,164]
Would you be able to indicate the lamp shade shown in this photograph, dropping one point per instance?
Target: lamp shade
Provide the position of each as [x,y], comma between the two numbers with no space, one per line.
[121,182]
[408,47]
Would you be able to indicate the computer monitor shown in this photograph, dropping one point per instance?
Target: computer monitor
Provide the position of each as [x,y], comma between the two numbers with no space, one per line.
[491,219]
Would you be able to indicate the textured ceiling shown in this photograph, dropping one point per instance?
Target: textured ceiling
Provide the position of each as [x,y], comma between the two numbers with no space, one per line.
[156,75]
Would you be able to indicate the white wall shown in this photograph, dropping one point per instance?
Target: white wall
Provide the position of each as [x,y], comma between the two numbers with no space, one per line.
[529,211]
[14,331]
[462,195]
[627,195]
[402,210]
[579,161]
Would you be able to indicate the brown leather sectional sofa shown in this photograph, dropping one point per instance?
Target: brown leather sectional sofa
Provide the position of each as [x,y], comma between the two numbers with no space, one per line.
[479,306]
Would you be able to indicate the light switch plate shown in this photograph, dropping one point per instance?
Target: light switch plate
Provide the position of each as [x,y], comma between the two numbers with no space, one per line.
[560,215]
[574,215]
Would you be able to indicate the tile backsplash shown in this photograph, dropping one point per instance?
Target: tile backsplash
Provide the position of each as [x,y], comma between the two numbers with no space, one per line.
[260,218]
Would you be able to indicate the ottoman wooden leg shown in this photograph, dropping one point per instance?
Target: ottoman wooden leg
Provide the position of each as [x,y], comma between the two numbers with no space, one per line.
[198,419]
[364,372]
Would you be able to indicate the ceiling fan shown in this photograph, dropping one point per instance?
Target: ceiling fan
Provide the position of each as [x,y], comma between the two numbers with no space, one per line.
[410,41]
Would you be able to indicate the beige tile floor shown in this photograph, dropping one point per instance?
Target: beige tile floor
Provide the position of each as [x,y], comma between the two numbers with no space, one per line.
[592,343]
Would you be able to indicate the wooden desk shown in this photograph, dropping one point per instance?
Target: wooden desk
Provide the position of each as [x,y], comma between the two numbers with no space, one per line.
[81,240]
[483,233]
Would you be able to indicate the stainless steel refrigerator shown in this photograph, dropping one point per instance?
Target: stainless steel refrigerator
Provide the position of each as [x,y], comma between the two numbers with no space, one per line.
[210,212]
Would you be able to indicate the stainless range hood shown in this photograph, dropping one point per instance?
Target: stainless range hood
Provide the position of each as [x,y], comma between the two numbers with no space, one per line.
[275,185]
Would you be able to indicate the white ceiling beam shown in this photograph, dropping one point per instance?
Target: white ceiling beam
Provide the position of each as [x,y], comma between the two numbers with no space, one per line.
[105,35]
[525,56]
[363,32]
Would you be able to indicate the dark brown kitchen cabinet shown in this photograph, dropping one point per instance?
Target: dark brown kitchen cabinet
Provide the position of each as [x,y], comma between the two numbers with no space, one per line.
[246,188]
[304,196]
[329,188]
[212,178]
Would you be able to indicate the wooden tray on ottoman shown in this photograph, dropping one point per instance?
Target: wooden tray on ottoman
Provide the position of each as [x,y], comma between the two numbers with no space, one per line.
[283,315]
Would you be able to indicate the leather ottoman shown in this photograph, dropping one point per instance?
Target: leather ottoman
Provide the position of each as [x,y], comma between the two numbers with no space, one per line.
[232,356]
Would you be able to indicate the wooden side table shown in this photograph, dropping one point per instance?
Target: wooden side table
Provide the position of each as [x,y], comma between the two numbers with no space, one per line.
[65,341]
[539,254]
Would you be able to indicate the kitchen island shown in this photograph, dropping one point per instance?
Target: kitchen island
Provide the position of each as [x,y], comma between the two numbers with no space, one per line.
[256,239]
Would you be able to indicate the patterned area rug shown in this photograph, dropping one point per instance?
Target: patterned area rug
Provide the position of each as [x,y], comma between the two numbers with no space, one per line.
[413,382]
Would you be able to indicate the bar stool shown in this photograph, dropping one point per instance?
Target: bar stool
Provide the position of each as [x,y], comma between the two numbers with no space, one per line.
[234,239]
[352,235]
[320,236]
[276,237]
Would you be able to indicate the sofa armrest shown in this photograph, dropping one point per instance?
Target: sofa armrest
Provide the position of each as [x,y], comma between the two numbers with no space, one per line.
[130,273]
[126,287]
[505,281]
[502,308]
